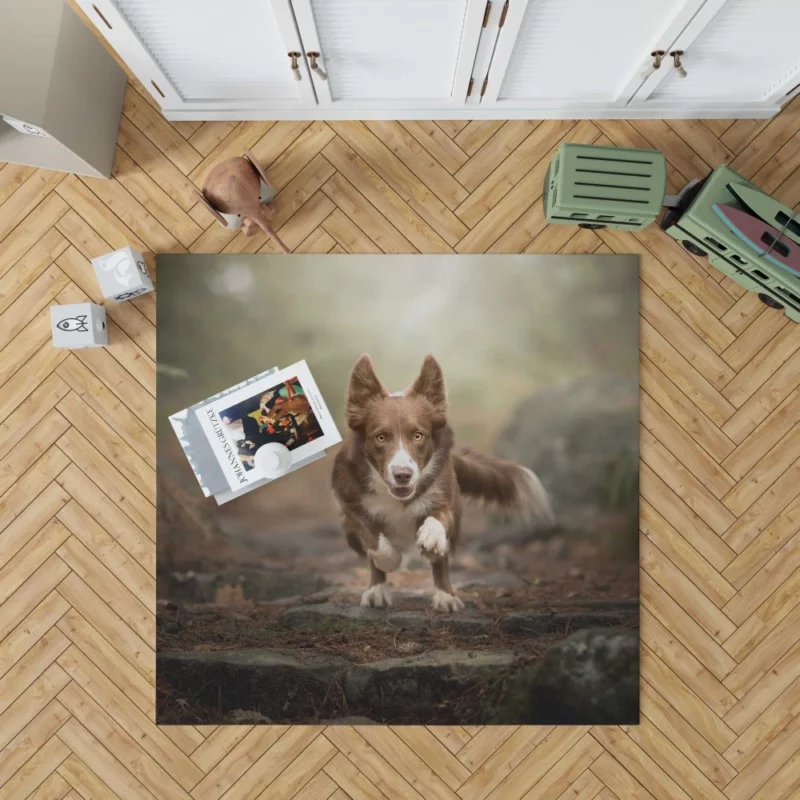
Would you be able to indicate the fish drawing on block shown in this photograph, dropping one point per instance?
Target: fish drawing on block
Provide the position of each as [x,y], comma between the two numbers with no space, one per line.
[763,238]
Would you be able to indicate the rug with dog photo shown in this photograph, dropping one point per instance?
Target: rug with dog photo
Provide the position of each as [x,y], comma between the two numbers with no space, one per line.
[466,555]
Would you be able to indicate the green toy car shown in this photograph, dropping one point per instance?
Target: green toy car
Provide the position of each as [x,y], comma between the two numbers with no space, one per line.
[703,233]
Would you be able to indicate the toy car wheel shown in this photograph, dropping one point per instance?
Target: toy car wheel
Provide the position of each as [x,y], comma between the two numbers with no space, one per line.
[769,301]
[592,226]
[693,248]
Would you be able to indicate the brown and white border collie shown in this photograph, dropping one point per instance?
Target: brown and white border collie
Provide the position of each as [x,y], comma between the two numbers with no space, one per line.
[399,482]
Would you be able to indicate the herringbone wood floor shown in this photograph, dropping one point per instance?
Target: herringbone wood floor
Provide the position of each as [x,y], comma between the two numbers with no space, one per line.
[720,472]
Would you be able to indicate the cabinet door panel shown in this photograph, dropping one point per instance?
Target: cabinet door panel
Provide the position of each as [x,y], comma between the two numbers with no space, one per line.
[391,52]
[563,52]
[748,52]
[207,53]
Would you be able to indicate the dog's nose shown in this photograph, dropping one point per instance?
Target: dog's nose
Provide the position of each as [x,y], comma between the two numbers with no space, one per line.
[402,475]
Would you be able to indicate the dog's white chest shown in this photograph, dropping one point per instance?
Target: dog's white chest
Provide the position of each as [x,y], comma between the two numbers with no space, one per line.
[397,520]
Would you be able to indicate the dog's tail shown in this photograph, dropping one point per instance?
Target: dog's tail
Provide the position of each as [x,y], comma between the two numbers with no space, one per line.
[502,483]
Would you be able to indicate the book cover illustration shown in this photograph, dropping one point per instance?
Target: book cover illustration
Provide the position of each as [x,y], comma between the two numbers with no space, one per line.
[221,435]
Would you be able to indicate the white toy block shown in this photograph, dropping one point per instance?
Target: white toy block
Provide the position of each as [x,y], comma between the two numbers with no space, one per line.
[122,274]
[79,325]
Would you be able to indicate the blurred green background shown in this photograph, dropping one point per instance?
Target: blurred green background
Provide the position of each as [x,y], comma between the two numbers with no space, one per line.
[502,327]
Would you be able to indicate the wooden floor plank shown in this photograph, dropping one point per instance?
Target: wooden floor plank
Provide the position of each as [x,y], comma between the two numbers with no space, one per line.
[14,246]
[671,730]
[108,516]
[493,153]
[687,703]
[104,656]
[109,624]
[658,781]
[684,592]
[380,230]
[510,172]
[125,459]
[31,702]
[684,556]
[31,593]
[103,767]
[389,188]
[12,176]
[234,763]
[38,769]
[103,729]
[31,666]
[437,143]
[299,153]
[692,635]
[476,133]
[30,630]
[30,267]
[152,740]
[143,152]
[159,131]
[94,392]
[32,737]
[270,765]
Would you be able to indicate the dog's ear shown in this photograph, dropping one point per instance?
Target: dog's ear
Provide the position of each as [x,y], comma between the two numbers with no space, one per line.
[364,387]
[430,384]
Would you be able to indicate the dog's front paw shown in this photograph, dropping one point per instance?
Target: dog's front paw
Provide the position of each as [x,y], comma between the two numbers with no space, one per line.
[432,539]
[377,596]
[444,601]
[386,557]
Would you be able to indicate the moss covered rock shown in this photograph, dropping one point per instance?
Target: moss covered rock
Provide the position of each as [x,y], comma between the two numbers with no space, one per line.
[590,678]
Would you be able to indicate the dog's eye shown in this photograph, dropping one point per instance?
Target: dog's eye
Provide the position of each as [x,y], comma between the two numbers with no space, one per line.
[381,437]
[419,436]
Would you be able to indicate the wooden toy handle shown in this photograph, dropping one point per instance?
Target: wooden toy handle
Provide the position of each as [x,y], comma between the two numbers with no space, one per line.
[213,211]
[258,168]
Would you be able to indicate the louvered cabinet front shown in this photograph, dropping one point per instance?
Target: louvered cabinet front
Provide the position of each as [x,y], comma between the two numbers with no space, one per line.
[554,53]
[207,54]
[469,59]
[405,53]
[747,52]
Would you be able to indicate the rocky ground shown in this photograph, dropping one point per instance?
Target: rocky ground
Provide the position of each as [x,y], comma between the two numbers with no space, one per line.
[294,645]
[259,616]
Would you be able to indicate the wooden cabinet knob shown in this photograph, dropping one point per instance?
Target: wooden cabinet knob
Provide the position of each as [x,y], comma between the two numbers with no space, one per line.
[676,60]
[315,68]
[295,67]
[658,56]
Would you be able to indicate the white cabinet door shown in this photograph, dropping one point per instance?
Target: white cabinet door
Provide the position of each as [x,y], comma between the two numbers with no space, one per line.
[208,54]
[734,52]
[391,53]
[559,53]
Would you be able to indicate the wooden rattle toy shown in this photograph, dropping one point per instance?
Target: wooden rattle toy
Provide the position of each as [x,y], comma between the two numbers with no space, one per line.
[238,194]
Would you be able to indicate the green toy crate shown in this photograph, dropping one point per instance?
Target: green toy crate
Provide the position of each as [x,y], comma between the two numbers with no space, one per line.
[702,232]
[599,187]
